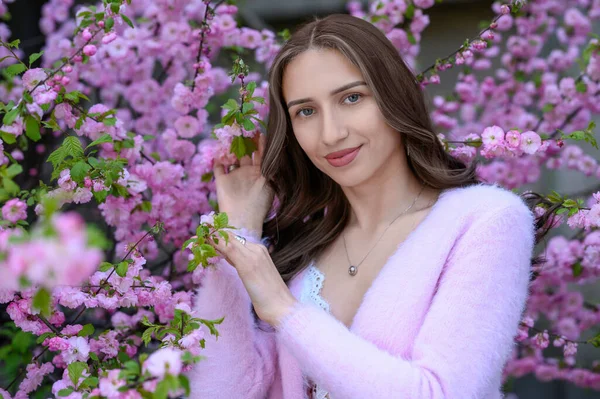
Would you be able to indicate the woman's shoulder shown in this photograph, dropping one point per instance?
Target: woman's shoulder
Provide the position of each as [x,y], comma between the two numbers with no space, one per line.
[485,201]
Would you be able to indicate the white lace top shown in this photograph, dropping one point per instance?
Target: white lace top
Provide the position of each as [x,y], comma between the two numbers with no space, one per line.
[311,292]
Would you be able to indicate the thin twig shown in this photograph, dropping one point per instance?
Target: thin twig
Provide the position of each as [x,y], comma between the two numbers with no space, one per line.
[199,55]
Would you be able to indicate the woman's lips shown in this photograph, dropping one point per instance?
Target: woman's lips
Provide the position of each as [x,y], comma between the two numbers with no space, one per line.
[344,159]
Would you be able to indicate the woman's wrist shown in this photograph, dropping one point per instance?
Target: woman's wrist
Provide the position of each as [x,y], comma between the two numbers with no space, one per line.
[245,223]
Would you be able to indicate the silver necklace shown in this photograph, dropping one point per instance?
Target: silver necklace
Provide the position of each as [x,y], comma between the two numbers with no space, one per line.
[352,270]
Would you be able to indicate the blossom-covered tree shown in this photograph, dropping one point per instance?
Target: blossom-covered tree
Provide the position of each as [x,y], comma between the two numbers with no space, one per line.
[131,103]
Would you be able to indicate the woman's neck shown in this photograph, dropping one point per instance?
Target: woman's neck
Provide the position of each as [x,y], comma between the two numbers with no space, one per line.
[378,201]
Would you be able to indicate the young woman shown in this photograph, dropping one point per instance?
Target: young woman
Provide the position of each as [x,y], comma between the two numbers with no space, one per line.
[391,271]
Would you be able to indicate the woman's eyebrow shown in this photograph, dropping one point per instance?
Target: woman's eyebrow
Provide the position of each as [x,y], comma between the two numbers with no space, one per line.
[333,92]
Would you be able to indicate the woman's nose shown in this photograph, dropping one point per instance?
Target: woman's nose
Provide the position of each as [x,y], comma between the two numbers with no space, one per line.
[333,129]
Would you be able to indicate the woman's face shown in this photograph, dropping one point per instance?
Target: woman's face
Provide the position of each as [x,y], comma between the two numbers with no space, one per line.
[333,110]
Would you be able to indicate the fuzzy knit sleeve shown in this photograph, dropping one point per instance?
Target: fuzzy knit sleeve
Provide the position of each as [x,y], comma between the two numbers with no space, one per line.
[241,362]
[466,336]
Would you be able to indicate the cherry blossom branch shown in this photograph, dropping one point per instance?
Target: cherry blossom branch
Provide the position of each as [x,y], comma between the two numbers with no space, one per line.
[204,26]
[149,232]
[67,61]
[464,46]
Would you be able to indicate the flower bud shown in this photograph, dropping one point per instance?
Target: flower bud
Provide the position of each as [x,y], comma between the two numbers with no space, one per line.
[90,50]
[86,34]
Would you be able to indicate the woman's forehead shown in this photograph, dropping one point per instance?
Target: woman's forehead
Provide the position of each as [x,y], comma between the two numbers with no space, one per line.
[317,72]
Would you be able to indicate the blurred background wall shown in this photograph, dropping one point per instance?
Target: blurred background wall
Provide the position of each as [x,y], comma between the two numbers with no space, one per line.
[451,23]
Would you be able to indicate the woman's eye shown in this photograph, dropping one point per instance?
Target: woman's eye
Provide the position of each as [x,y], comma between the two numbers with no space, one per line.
[356,96]
[300,112]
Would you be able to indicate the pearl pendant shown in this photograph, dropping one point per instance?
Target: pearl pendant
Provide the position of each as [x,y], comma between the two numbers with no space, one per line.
[352,270]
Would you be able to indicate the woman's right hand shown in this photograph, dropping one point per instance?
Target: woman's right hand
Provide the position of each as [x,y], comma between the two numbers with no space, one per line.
[243,193]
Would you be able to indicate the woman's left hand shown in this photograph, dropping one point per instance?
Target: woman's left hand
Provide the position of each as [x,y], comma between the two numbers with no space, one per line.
[268,292]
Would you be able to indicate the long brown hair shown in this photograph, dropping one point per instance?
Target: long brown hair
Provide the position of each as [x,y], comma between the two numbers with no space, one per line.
[312,209]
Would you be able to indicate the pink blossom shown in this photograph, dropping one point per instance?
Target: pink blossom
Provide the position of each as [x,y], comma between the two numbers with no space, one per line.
[78,350]
[530,142]
[35,376]
[513,138]
[33,77]
[14,210]
[492,136]
[57,344]
[424,3]
[90,50]
[109,386]
[164,361]
[570,349]
[541,340]
[187,126]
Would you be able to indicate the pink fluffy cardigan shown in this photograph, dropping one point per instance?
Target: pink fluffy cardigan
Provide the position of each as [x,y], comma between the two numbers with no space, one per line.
[437,322]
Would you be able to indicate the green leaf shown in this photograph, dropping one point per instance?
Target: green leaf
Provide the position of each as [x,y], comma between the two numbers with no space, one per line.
[185,384]
[27,97]
[224,235]
[127,20]
[72,97]
[595,341]
[241,146]
[231,105]
[250,87]
[34,57]
[65,391]
[90,382]
[110,121]
[57,156]
[161,391]
[51,124]
[14,170]
[260,100]
[94,162]
[122,269]
[79,171]
[75,371]
[247,107]
[32,128]
[105,266]
[10,186]
[15,69]
[207,177]
[43,337]
[73,146]
[238,147]
[8,138]
[410,11]
[577,269]
[548,108]
[248,124]
[41,301]
[15,43]
[146,206]
[110,22]
[10,116]
[221,220]
[581,87]
[100,196]
[147,335]
[21,341]
[88,329]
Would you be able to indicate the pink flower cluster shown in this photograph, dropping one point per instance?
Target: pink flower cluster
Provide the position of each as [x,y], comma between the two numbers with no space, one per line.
[510,117]
[62,257]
